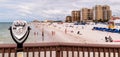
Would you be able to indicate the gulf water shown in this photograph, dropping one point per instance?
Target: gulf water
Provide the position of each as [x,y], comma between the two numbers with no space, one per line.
[5,37]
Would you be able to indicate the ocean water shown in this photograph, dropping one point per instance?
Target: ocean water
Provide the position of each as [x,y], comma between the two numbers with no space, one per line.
[5,36]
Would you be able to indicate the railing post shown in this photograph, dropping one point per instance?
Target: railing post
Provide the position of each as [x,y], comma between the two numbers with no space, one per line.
[3,52]
[9,55]
[57,51]
[118,52]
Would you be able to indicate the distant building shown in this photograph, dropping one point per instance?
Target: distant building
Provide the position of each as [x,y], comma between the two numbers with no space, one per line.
[87,14]
[76,16]
[107,14]
[36,21]
[68,19]
[48,20]
[97,13]
[102,12]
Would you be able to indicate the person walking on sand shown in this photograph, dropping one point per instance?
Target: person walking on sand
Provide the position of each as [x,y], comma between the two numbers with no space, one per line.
[53,33]
[65,31]
[42,35]
[34,33]
[72,31]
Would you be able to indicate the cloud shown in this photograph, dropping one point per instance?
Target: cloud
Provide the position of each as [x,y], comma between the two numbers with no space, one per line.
[3,0]
[50,9]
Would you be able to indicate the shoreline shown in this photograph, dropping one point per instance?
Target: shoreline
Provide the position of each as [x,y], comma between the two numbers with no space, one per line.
[87,35]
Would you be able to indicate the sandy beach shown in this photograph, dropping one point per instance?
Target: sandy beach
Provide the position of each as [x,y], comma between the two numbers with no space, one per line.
[64,33]
[67,32]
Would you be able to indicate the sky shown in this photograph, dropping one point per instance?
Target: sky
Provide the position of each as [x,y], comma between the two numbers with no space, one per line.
[29,10]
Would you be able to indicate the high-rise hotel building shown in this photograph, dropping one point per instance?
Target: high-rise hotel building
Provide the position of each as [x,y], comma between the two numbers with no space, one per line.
[98,12]
[107,14]
[76,16]
[68,19]
[87,14]
[102,12]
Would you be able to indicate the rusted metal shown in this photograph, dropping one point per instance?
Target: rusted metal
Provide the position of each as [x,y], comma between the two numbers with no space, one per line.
[72,51]
[39,52]
[27,52]
[88,52]
[118,52]
[9,53]
[109,52]
[45,52]
[98,52]
[33,52]
[50,52]
[78,52]
[3,50]
[93,52]
[114,52]
[60,48]
[104,50]
[67,53]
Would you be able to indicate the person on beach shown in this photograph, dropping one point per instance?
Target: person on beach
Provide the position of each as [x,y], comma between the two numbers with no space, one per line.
[72,31]
[108,39]
[78,32]
[65,31]
[37,33]
[34,33]
[82,27]
[42,35]
[52,33]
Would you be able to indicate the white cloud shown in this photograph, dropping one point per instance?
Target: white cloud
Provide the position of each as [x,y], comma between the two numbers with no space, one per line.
[3,0]
[51,8]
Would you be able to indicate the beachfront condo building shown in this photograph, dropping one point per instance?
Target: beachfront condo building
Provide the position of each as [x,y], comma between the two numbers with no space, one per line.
[107,14]
[87,14]
[99,13]
[68,19]
[76,16]
[102,12]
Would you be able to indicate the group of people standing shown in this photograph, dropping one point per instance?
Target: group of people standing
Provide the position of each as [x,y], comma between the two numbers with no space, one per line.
[108,39]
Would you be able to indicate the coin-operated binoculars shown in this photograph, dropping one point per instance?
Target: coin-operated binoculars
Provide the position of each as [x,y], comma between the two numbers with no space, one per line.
[19,32]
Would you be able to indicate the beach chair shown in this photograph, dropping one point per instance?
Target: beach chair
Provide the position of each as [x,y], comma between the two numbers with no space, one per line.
[103,29]
[119,30]
[93,28]
[99,28]
[110,30]
[107,29]
[96,28]
[116,31]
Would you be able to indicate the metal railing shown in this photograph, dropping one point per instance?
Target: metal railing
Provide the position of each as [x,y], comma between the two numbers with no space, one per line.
[57,49]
